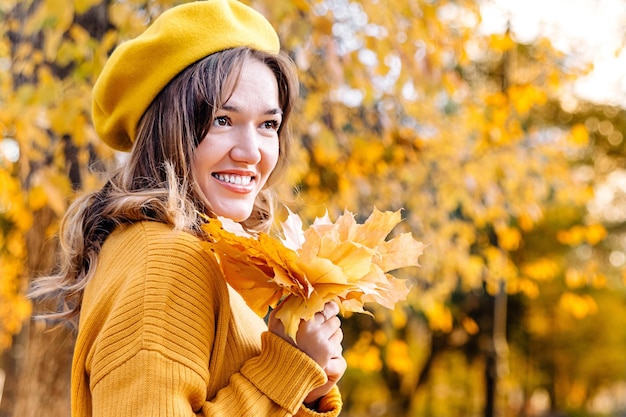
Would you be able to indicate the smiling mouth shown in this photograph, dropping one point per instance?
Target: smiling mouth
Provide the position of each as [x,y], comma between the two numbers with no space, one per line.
[234,179]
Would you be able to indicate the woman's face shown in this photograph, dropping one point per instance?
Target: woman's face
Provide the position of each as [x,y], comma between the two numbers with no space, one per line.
[233,162]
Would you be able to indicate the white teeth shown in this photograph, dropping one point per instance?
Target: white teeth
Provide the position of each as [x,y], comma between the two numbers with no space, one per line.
[233,179]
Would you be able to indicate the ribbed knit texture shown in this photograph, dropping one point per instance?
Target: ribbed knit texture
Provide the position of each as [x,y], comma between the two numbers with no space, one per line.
[161,334]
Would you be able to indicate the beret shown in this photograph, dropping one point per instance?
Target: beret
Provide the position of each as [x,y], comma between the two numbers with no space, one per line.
[140,68]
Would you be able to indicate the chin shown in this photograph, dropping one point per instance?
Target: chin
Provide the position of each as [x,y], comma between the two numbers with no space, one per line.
[234,215]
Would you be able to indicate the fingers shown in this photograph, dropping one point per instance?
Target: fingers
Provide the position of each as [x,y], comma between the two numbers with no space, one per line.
[325,330]
[335,368]
[320,337]
[319,317]
[337,336]
[330,310]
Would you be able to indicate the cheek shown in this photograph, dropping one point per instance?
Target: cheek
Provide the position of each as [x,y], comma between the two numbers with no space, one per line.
[204,156]
[272,156]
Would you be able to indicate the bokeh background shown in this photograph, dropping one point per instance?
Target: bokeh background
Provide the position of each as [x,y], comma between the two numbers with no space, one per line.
[496,126]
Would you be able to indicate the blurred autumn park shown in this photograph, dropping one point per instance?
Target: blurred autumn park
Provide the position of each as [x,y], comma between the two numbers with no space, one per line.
[514,180]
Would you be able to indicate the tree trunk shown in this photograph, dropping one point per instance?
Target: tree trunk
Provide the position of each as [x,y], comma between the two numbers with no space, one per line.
[496,366]
[39,363]
[44,379]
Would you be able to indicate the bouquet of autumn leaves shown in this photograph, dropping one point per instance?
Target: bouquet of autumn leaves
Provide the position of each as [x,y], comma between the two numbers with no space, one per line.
[345,262]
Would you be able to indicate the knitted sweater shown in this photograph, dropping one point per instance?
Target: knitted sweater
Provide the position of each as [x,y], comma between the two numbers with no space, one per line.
[162,334]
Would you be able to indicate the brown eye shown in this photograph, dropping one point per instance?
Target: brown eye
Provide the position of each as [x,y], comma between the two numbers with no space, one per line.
[271,124]
[220,121]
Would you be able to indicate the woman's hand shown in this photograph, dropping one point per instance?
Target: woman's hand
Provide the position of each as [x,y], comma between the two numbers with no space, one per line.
[320,338]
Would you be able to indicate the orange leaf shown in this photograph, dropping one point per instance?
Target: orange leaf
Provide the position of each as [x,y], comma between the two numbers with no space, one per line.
[343,261]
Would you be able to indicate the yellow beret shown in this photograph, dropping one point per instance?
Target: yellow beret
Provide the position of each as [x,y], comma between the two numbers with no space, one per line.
[140,68]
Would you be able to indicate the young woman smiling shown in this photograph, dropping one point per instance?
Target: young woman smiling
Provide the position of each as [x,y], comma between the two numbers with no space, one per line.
[201,101]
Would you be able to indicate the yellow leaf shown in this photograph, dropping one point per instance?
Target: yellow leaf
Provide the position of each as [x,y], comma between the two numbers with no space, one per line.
[529,288]
[575,278]
[509,238]
[342,261]
[57,188]
[325,148]
[573,237]
[439,317]
[579,306]
[542,269]
[353,260]
[375,229]
[579,134]
[37,198]
[400,252]
[471,270]
[51,14]
[470,326]
[595,234]
[250,264]
[397,357]
[366,359]
[82,6]
[501,42]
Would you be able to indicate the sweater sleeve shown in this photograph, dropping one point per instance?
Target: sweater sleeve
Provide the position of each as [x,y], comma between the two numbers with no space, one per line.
[158,349]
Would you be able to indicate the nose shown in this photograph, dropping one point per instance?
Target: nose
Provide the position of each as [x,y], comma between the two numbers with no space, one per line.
[247,146]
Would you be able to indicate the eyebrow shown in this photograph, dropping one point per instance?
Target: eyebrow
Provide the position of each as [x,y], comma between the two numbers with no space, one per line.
[236,109]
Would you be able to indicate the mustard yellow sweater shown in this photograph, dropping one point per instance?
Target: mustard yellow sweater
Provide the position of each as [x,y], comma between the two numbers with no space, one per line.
[162,334]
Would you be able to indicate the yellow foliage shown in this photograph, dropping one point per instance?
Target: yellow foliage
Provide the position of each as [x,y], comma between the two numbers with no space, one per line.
[509,238]
[37,198]
[345,262]
[538,322]
[578,234]
[470,325]
[579,135]
[322,25]
[124,16]
[14,308]
[598,280]
[542,269]
[52,44]
[15,245]
[49,89]
[379,337]
[595,234]
[579,306]
[50,15]
[525,97]
[528,287]
[573,237]
[501,43]
[82,6]
[500,266]
[397,357]
[439,317]
[574,278]
[368,360]
[471,270]
[398,318]
[526,221]
[57,188]
[325,148]
[363,355]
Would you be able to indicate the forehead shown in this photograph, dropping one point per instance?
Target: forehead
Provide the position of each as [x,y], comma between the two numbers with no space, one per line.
[254,83]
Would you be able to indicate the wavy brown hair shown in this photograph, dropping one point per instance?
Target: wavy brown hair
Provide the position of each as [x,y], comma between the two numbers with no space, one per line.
[156,181]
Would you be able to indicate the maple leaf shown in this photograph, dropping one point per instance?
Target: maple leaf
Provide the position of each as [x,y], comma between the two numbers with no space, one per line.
[344,261]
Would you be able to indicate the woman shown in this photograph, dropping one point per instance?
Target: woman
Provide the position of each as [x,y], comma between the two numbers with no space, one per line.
[201,100]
